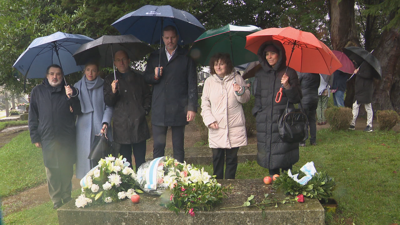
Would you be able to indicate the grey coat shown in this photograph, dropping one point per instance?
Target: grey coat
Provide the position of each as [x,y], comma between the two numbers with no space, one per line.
[274,153]
[94,113]
[176,90]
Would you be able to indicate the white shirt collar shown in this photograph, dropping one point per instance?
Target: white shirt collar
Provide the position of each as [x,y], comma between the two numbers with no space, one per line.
[169,56]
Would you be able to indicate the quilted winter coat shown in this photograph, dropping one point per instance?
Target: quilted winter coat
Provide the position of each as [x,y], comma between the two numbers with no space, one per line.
[220,103]
[274,153]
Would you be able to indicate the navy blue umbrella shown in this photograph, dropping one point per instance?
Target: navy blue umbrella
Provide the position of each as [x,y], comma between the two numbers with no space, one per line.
[148,22]
[56,48]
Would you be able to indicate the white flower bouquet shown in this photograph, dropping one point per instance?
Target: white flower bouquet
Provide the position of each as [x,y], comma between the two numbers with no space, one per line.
[181,185]
[111,180]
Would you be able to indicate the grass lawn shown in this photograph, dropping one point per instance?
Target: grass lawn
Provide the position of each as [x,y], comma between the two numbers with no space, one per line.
[365,166]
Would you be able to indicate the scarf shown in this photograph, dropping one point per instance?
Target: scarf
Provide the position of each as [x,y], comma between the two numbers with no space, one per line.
[85,96]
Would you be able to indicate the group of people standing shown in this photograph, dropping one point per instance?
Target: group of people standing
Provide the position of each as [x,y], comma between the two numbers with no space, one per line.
[63,120]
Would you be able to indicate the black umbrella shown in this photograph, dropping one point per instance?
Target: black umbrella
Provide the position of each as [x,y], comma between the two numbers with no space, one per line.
[104,48]
[360,55]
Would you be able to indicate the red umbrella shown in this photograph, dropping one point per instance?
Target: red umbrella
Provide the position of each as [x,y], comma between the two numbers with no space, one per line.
[347,64]
[305,53]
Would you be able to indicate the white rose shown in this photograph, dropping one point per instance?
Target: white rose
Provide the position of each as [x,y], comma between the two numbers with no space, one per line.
[96,172]
[121,195]
[108,200]
[82,201]
[95,188]
[127,170]
[116,169]
[107,186]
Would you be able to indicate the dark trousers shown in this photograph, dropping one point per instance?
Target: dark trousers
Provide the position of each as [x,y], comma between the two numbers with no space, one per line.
[219,155]
[160,138]
[59,182]
[277,171]
[139,151]
[311,116]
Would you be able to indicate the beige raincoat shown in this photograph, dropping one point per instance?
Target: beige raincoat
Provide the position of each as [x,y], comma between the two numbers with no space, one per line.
[220,103]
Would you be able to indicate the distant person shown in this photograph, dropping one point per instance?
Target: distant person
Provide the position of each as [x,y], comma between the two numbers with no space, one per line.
[130,97]
[52,128]
[339,87]
[174,101]
[273,153]
[309,83]
[363,90]
[95,117]
[323,97]
[224,93]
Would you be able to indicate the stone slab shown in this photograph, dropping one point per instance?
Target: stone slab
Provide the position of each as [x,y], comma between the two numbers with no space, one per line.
[203,155]
[148,211]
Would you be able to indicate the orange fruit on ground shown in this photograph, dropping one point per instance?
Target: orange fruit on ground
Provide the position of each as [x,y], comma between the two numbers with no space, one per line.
[267,180]
[275,176]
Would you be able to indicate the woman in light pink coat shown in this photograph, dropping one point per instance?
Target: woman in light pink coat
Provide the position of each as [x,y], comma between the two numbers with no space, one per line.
[224,93]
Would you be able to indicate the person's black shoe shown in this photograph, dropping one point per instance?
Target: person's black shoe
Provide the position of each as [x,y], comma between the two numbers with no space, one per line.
[57,205]
[368,129]
[352,127]
[67,200]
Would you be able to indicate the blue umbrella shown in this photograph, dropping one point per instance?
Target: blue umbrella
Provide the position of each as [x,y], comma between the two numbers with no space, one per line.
[148,22]
[56,48]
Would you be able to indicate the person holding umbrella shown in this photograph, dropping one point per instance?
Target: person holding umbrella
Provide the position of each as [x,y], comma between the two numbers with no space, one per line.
[363,90]
[173,76]
[130,97]
[52,127]
[221,108]
[273,152]
[95,117]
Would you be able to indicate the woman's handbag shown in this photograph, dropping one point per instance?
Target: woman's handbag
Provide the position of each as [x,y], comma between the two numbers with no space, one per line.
[101,147]
[293,125]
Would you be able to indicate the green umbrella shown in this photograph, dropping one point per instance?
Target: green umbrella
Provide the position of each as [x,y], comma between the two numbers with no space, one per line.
[227,39]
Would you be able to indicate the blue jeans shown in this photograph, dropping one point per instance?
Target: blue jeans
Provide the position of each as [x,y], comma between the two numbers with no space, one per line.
[338,98]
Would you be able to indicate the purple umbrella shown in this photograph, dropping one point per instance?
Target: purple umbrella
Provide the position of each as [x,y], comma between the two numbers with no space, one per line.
[348,66]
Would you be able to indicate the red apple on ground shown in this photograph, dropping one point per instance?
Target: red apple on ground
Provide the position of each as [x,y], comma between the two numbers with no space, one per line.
[275,177]
[267,180]
[135,198]
[300,198]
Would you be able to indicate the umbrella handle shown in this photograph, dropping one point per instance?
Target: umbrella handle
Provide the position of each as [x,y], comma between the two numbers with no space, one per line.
[279,94]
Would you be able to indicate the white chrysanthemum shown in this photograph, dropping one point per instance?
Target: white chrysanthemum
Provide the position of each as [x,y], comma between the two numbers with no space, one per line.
[95,188]
[96,173]
[122,195]
[82,201]
[107,186]
[108,200]
[130,192]
[115,179]
[127,170]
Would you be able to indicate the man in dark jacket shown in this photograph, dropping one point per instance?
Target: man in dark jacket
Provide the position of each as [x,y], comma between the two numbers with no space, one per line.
[174,79]
[339,87]
[52,127]
[131,98]
[309,83]
[273,153]
[363,91]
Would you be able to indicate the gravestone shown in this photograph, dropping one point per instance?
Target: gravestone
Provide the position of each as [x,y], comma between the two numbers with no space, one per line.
[149,211]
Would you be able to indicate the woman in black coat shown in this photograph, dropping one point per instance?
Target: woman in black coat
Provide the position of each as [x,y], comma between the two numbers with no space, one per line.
[274,153]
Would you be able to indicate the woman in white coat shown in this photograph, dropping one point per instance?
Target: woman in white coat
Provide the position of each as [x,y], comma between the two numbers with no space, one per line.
[224,93]
[95,117]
